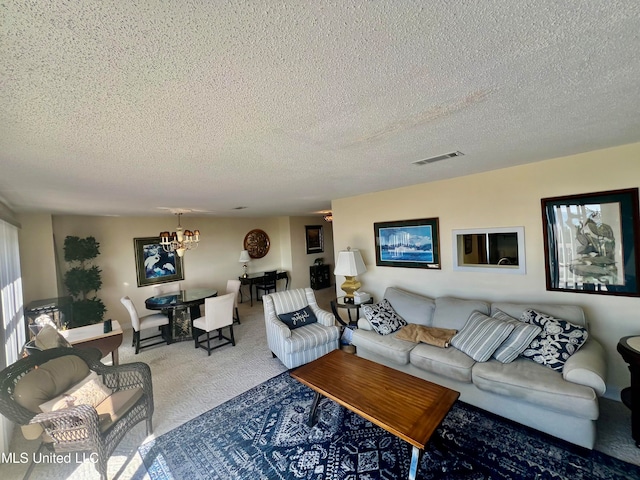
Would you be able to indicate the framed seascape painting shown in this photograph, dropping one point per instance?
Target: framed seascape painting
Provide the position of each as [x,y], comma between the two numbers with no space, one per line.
[408,243]
[153,264]
[591,242]
[315,238]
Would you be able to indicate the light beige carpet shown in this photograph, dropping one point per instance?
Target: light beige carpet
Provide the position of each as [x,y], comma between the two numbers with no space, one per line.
[187,383]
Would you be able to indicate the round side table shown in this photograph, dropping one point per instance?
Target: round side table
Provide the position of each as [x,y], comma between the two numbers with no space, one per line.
[629,349]
[340,303]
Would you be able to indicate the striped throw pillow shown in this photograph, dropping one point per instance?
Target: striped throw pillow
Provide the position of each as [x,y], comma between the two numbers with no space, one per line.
[518,340]
[481,336]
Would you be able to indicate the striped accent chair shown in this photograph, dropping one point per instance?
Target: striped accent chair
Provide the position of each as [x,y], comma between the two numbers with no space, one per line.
[301,345]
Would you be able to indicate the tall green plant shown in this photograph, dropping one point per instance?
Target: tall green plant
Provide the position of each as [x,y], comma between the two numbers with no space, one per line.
[82,279]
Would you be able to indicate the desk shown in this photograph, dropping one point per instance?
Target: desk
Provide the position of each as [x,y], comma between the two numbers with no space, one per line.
[339,303]
[93,336]
[191,298]
[254,278]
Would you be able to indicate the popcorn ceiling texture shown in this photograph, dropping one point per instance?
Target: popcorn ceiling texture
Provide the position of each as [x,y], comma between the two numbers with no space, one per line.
[118,107]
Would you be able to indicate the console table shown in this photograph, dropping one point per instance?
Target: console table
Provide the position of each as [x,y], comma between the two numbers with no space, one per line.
[629,349]
[254,278]
[93,336]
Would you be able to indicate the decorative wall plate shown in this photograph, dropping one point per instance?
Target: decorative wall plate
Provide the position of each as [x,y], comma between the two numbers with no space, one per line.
[257,243]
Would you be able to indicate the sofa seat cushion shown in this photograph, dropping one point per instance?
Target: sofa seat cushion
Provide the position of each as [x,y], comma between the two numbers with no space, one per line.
[310,336]
[536,384]
[116,405]
[387,346]
[448,362]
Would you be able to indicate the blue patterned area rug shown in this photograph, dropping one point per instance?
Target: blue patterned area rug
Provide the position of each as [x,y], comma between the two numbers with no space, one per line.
[262,434]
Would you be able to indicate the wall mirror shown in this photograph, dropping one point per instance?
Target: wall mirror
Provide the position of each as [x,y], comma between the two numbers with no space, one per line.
[489,250]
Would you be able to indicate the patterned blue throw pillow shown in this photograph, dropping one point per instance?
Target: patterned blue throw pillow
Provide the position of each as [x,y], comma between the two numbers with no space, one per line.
[557,341]
[383,317]
[299,318]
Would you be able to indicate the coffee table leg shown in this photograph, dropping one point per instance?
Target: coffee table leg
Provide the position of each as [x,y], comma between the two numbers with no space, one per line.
[416,454]
[314,407]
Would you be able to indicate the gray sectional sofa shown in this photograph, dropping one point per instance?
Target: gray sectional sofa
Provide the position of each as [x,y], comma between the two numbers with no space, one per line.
[563,404]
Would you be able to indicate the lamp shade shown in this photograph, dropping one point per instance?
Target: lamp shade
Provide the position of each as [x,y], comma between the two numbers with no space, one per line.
[349,263]
[244,256]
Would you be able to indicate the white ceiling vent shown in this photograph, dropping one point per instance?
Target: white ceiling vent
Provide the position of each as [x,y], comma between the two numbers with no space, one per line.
[437,158]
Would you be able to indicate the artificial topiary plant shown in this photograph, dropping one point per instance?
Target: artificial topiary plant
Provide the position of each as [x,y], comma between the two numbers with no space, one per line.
[83,279]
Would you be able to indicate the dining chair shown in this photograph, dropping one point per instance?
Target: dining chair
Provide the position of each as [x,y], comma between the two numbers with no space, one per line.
[167,288]
[138,323]
[233,286]
[267,284]
[180,313]
[218,314]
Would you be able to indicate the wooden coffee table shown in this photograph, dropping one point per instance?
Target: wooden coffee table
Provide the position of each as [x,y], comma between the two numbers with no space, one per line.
[406,406]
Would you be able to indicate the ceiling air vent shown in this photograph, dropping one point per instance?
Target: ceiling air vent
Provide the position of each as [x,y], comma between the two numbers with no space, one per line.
[437,158]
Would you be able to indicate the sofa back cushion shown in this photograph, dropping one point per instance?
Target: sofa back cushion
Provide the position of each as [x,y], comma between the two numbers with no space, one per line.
[454,312]
[571,313]
[412,307]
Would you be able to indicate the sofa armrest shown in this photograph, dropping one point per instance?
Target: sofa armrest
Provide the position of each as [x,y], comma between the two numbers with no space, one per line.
[364,324]
[324,318]
[276,325]
[587,367]
[70,425]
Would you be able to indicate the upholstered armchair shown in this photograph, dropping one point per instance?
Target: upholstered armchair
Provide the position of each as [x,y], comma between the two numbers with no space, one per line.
[56,377]
[296,345]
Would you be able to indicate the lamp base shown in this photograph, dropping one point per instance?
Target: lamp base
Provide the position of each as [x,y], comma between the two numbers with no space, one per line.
[349,286]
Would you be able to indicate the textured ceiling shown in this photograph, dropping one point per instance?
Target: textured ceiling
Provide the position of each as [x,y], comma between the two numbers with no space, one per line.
[119,108]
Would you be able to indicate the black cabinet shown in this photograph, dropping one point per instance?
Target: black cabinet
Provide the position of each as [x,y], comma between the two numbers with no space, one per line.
[320,276]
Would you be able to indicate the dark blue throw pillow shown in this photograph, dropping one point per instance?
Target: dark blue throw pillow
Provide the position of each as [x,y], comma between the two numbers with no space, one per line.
[299,318]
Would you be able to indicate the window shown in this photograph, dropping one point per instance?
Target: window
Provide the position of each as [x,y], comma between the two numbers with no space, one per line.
[489,250]
[11,309]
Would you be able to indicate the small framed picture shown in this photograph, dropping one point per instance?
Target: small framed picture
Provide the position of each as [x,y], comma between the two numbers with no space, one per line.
[315,238]
[153,264]
[408,243]
[591,242]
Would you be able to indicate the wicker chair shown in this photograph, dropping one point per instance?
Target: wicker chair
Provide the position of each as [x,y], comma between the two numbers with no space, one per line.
[78,428]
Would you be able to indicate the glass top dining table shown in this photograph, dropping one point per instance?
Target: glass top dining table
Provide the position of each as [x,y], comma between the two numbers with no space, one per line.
[183,298]
[190,299]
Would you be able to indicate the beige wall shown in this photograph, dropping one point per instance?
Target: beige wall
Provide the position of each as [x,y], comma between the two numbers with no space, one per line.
[37,258]
[504,198]
[301,261]
[211,264]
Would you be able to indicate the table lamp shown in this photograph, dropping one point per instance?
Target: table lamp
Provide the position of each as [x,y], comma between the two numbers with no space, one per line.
[349,265]
[244,258]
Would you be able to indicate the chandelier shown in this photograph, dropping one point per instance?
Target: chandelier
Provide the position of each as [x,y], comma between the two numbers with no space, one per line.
[181,240]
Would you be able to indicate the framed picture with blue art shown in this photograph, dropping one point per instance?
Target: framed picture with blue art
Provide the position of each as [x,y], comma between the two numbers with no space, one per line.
[153,264]
[408,243]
